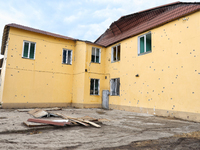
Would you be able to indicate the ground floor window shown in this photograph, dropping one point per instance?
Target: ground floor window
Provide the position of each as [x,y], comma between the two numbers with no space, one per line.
[94,86]
[114,87]
[67,56]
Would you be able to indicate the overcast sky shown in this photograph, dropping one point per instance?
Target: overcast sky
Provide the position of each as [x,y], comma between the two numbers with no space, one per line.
[80,19]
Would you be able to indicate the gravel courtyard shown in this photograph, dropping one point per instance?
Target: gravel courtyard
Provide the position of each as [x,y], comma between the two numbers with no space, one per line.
[122,130]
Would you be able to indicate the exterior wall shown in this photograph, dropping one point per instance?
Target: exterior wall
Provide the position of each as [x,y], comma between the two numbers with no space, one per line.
[43,82]
[168,82]
[79,74]
[3,71]
[94,71]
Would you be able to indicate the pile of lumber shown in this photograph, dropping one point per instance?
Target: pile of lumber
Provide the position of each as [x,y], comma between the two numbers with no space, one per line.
[65,121]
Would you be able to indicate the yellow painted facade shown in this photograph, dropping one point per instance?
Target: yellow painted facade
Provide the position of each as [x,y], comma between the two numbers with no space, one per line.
[168,82]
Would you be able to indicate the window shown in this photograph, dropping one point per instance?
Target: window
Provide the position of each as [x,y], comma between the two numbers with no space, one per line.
[114,86]
[144,43]
[116,53]
[96,55]
[28,50]
[67,57]
[94,86]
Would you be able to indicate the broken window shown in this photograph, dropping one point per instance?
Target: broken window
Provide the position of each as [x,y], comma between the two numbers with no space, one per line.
[96,55]
[116,53]
[29,50]
[67,57]
[94,86]
[114,86]
[144,43]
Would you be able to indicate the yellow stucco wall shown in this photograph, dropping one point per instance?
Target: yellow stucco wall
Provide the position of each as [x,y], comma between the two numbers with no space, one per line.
[169,76]
[168,82]
[44,80]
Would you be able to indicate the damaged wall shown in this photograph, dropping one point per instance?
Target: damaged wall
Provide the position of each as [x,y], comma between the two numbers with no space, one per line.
[169,76]
[40,82]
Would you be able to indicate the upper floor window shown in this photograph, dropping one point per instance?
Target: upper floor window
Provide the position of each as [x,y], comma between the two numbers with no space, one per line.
[144,43]
[115,55]
[114,87]
[96,55]
[94,86]
[67,57]
[29,50]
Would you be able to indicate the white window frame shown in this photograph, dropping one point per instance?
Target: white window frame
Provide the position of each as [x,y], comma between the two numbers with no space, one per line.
[113,87]
[28,49]
[66,59]
[95,55]
[94,86]
[144,35]
[112,53]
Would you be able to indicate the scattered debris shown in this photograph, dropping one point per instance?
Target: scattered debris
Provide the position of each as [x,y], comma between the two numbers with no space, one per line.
[103,119]
[39,113]
[100,111]
[49,122]
[3,117]
[73,119]
[35,132]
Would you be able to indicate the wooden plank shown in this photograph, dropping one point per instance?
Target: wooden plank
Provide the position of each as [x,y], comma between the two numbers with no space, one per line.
[31,112]
[40,113]
[73,119]
[82,121]
[92,123]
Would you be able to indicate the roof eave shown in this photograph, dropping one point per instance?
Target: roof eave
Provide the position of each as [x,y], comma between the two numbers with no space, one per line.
[152,28]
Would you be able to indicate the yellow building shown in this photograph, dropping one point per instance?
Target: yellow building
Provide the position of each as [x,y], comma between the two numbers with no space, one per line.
[148,61]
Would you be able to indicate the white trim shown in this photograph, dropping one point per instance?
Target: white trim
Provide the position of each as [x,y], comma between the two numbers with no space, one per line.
[95,55]
[66,59]
[112,53]
[139,37]
[94,86]
[113,86]
[29,46]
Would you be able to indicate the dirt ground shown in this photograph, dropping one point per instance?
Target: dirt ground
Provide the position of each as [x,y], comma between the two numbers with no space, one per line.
[124,130]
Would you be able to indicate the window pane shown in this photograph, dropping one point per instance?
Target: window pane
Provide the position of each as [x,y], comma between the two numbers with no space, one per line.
[97,55]
[93,55]
[148,42]
[26,45]
[118,52]
[32,49]
[96,87]
[114,53]
[64,56]
[69,57]
[92,86]
[118,86]
[142,45]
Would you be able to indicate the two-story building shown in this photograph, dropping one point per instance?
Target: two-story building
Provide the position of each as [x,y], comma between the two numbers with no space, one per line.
[148,61]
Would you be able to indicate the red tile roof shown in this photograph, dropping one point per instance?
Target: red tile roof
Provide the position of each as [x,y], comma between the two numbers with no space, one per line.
[134,24]
[39,31]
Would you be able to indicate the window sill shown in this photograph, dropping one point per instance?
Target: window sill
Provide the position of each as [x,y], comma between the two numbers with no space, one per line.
[28,58]
[94,95]
[95,62]
[66,64]
[115,61]
[144,53]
